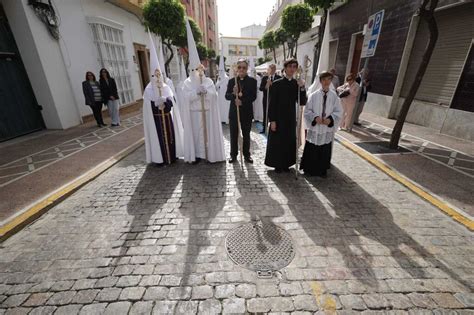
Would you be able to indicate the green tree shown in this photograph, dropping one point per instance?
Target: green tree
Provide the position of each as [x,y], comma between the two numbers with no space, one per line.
[211,53]
[317,5]
[280,37]
[182,39]
[202,51]
[296,19]
[165,18]
[426,14]
[267,42]
[262,60]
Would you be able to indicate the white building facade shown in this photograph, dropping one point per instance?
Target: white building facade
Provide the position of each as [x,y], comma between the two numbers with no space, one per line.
[93,34]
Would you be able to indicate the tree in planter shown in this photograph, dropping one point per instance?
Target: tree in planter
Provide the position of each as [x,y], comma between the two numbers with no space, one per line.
[426,14]
[317,5]
[280,37]
[166,19]
[268,42]
[296,19]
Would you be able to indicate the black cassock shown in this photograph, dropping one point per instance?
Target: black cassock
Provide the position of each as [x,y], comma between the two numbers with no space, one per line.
[281,146]
[165,131]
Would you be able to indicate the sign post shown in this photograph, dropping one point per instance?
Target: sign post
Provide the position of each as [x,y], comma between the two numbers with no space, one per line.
[371,38]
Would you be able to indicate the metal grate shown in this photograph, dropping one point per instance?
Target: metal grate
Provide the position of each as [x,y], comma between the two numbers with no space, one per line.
[260,246]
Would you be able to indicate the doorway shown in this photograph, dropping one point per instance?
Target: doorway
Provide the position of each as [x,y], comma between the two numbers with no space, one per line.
[19,111]
[355,51]
[359,40]
[142,62]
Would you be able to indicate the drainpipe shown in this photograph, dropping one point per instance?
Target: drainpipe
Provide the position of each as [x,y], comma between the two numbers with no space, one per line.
[402,70]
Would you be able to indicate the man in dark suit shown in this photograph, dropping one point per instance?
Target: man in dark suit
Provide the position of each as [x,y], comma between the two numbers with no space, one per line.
[366,86]
[242,94]
[265,87]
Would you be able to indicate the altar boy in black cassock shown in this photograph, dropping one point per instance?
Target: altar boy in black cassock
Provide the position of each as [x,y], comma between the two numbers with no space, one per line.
[322,115]
[281,144]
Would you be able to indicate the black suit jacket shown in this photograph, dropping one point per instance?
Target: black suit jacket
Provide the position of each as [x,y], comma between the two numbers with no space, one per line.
[264,83]
[108,90]
[248,87]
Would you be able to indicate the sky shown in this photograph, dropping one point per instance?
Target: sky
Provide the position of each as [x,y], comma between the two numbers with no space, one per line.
[235,14]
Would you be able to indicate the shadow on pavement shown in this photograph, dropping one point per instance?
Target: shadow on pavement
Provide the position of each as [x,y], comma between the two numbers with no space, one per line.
[337,213]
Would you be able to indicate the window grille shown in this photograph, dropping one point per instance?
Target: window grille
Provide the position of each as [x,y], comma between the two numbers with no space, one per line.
[111,49]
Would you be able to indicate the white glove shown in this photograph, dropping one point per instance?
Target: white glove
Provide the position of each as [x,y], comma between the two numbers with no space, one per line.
[160,100]
[201,90]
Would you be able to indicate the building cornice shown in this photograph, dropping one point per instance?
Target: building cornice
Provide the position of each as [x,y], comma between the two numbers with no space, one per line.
[129,6]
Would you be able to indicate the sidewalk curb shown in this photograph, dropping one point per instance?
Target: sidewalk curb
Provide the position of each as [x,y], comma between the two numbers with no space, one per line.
[415,188]
[28,214]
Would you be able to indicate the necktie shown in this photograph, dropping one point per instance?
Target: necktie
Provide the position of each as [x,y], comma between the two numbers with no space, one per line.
[325,97]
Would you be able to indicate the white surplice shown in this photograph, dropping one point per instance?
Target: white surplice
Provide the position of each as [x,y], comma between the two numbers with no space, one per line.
[258,103]
[224,104]
[322,134]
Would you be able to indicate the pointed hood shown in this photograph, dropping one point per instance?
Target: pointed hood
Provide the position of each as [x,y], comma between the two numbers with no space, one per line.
[154,61]
[221,62]
[194,61]
[182,70]
[161,59]
[323,62]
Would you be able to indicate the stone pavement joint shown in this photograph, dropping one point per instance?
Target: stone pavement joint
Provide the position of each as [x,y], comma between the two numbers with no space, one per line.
[142,239]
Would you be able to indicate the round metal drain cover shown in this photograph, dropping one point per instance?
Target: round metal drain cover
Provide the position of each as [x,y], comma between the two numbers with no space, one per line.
[260,246]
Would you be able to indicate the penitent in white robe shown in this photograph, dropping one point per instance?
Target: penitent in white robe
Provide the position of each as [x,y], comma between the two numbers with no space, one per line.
[193,123]
[224,104]
[152,144]
[258,103]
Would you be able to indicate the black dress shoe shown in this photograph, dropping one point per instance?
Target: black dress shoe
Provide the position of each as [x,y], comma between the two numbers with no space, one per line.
[232,160]
[104,125]
[100,126]
[357,124]
[249,160]
[115,125]
[196,161]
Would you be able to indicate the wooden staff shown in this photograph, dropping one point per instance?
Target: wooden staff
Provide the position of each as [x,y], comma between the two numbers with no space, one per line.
[164,131]
[298,124]
[238,117]
[203,112]
[268,105]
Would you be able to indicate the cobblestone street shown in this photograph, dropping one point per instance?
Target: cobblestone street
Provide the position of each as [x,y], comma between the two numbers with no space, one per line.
[141,239]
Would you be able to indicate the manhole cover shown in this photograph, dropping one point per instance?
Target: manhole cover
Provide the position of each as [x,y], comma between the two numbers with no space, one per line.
[379,147]
[259,246]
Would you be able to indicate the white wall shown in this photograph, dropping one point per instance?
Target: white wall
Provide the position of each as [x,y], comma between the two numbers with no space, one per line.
[226,41]
[78,42]
[57,68]
[44,63]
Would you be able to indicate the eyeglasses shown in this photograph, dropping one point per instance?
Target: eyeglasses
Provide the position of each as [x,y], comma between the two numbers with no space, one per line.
[241,67]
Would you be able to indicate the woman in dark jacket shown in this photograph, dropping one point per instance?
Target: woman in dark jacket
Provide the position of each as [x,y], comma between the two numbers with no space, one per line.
[93,96]
[110,96]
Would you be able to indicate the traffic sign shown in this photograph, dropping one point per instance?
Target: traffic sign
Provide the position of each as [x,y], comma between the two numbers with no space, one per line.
[374,26]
